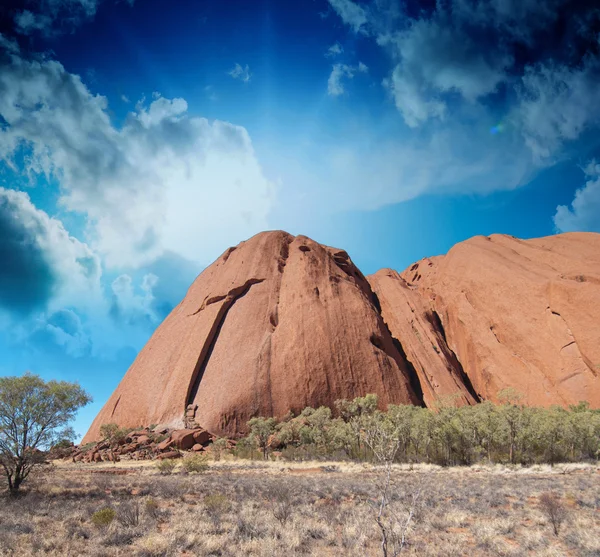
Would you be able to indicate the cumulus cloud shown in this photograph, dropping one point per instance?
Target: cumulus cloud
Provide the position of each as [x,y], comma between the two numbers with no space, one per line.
[241,73]
[334,50]
[63,331]
[335,86]
[584,212]
[557,103]
[163,181]
[352,14]
[41,262]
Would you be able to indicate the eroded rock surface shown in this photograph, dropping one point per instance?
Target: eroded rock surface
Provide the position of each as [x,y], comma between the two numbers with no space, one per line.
[276,324]
[280,322]
[515,313]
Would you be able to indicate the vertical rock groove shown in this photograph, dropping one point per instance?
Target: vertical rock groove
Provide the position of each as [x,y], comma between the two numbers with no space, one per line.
[229,299]
[451,357]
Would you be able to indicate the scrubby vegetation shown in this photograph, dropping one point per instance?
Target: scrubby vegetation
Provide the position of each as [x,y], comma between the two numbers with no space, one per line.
[509,432]
[267,508]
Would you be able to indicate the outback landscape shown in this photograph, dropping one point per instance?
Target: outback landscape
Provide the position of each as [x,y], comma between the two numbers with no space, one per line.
[291,404]
[273,508]
[310,277]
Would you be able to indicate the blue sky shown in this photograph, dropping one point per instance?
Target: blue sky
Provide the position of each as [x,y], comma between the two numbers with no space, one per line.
[138,141]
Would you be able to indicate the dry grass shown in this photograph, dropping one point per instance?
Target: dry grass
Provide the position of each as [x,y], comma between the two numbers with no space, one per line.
[274,508]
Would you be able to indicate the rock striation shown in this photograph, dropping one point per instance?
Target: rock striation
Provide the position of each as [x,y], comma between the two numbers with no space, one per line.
[276,324]
[498,312]
[280,322]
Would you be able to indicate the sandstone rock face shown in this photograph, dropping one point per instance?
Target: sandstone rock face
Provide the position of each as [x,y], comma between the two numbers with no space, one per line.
[423,341]
[514,313]
[277,324]
[281,322]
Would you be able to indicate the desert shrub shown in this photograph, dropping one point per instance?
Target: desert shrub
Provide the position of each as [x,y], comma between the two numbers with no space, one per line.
[151,508]
[166,466]
[216,506]
[246,448]
[104,517]
[218,447]
[281,503]
[446,434]
[261,430]
[554,510]
[128,514]
[119,538]
[113,433]
[195,464]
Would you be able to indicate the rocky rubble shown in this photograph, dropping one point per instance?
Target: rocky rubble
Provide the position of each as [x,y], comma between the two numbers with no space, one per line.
[142,444]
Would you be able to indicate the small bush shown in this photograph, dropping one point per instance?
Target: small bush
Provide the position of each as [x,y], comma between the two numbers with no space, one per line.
[282,503]
[151,508]
[129,514]
[195,464]
[554,510]
[104,517]
[166,466]
[216,506]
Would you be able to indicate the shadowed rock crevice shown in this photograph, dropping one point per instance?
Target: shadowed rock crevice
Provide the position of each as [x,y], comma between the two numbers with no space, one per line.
[115,406]
[454,363]
[413,376]
[209,345]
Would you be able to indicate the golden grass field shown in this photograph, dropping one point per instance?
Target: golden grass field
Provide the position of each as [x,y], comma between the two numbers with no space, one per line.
[279,508]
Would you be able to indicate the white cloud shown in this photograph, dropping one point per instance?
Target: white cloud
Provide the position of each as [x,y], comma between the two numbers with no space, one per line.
[334,50]
[132,308]
[556,104]
[335,87]
[493,54]
[164,181]
[584,213]
[241,73]
[351,13]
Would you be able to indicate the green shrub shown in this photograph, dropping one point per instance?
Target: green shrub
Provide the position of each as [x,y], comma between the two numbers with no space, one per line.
[166,466]
[216,506]
[151,508]
[104,517]
[195,464]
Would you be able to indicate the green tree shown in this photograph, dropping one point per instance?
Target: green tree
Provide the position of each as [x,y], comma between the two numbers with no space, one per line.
[34,415]
[262,429]
[113,433]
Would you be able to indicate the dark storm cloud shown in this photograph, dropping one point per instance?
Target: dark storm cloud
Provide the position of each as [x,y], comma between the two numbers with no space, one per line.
[38,258]
[27,278]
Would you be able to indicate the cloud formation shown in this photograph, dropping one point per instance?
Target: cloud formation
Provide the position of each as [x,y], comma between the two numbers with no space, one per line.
[335,86]
[41,262]
[584,212]
[352,14]
[334,50]
[163,181]
[53,17]
[538,60]
[132,308]
[241,73]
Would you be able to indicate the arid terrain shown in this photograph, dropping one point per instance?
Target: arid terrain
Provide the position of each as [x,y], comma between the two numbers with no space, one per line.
[240,507]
